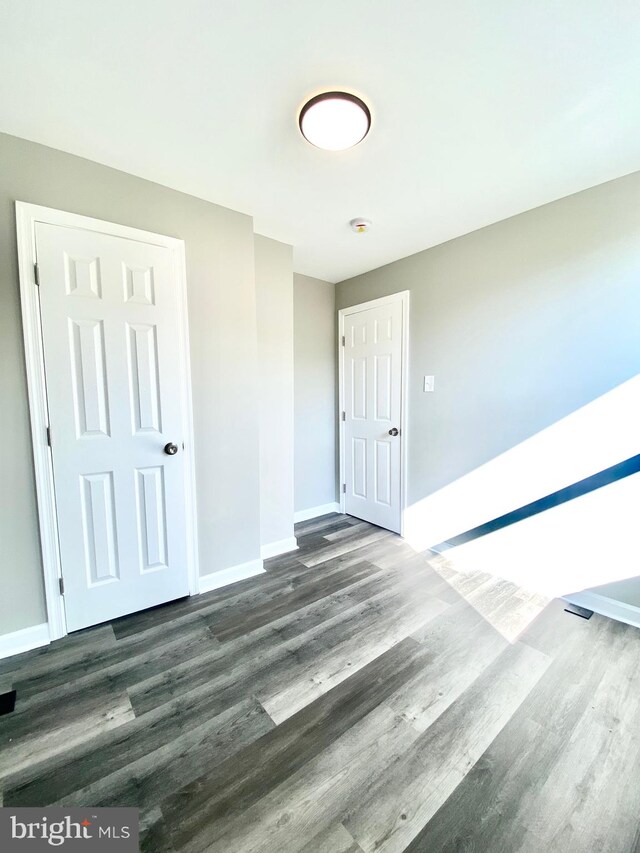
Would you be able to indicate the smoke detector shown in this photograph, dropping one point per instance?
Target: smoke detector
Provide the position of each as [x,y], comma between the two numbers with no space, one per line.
[359,225]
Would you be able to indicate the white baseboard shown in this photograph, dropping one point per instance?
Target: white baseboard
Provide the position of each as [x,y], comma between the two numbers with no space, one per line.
[231,575]
[24,640]
[282,546]
[315,511]
[611,607]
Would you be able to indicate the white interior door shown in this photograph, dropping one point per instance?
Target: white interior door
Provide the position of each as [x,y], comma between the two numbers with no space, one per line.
[372,399]
[111,351]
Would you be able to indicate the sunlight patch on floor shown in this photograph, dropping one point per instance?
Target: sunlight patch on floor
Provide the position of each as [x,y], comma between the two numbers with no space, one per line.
[507,607]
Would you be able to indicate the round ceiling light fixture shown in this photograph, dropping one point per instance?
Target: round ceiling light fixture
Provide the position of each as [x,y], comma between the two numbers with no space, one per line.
[334,121]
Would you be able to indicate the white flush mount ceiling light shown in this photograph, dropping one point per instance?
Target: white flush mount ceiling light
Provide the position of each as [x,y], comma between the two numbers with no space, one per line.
[335,121]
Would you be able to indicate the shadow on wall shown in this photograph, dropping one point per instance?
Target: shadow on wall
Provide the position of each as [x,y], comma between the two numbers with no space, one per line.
[585,542]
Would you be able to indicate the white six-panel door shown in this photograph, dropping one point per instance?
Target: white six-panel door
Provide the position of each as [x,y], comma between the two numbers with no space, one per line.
[372,384]
[111,352]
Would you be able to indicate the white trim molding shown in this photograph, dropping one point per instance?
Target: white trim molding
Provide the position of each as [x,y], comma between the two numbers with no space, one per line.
[27,215]
[215,580]
[605,606]
[282,546]
[402,296]
[316,512]
[24,640]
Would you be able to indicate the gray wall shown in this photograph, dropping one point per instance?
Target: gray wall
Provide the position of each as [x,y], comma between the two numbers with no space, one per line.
[521,323]
[315,392]
[627,591]
[274,296]
[222,314]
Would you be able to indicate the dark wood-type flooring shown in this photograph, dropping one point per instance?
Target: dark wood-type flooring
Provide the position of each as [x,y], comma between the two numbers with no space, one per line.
[356,697]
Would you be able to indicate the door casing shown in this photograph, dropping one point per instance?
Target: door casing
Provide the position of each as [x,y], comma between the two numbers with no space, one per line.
[402,297]
[26,217]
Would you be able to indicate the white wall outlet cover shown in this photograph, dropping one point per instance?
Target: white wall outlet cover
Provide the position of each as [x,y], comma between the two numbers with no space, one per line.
[429,383]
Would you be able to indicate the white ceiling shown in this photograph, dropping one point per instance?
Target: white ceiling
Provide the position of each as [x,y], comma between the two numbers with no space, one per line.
[481,108]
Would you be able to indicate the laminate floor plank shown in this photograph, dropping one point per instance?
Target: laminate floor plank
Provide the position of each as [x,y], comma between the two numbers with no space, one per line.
[33,737]
[340,523]
[553,632]
[319,586]
[282,564]
[484,810]
[338,549]
[228,670]
[573,806]
[59,653]
[105,755]
[312,615]
[348,531]
[120,667]
[489,819]
[371,634]
[398,553]
[318,795]
[355,697]
[336,839]
[404,799]
[311,662]
[321,550]
[193,813]
[177,762]
[500,602]
[304,528]
[164,617]
[156,839]
[252,593]
[252,588]
[461,646]
[559,776]
[368,552]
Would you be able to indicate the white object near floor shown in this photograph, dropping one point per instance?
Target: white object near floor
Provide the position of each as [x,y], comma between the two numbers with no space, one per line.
[315,512]
[24,640]
[374,337]
[115,352]
[111,355]
[274,549]
[215,580]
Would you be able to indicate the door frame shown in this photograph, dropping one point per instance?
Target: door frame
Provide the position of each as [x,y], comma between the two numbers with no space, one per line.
[27,215]
[402,297]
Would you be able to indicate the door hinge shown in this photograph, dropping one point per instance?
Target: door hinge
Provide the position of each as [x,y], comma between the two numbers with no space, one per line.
[61,584]
[36,274]
[343,341]
[344,416]
[49,436]
[344,488]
